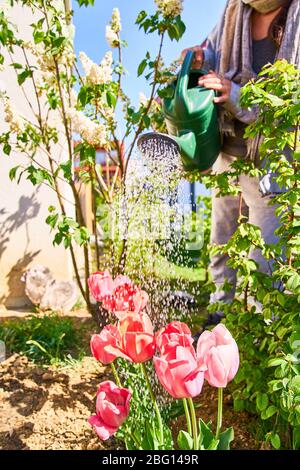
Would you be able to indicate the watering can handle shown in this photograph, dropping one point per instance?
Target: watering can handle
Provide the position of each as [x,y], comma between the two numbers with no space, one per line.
[184,75]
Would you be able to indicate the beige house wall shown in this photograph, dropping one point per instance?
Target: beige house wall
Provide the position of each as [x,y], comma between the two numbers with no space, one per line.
[25,238]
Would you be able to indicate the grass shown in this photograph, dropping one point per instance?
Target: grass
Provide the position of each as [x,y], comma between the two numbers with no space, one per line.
[50,339]
[167,270]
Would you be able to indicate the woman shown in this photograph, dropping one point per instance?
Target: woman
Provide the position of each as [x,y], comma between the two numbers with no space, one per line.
[251,34]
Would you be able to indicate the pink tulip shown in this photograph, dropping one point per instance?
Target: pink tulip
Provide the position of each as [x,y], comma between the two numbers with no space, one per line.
[112,409]
[126,298]
[132,339]
[137,336]
[101,285]
[174,334]
[118,296]
[179,372]
[219,352]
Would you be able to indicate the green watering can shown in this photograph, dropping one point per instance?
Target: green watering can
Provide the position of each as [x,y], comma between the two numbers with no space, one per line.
[191,120]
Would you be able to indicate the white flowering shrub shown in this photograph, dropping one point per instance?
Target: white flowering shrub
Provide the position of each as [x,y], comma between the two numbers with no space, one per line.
[170,8]
[59,113]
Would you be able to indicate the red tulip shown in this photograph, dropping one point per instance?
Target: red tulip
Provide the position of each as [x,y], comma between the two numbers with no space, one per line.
[132,339]
[101,285]
[173,335]
[112,409]
[179,373]
[219,352]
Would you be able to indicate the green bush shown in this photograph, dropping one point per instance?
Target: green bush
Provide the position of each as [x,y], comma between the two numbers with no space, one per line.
[47,339]
[268,382]
[264,316]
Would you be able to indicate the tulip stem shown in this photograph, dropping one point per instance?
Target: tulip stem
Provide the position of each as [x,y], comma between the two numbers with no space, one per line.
[159,419]
[116,375]
[194,423]
[187,415]
[220,411]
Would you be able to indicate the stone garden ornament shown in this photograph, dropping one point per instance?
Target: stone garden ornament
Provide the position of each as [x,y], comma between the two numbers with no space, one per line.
[48,293]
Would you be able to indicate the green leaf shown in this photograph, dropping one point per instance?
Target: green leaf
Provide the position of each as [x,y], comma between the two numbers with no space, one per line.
[167,92]
[7,148]
[296,438]
[58,238]
[180,27]
[238,404]
[276,362]
[213,445]
[146,120]
[38,36]
[150,441]
[52,99]
[141,16]
[269,412]
[142,67]
[206,436]
[12,172]
[275,441]
[185,441]
[226,437]
[111,99]
[16,65]
[67,169]
[295,384]
[262,401]
[293,282]
[57,45]
[52,220]
[81,236]
[84,96]
[23,76]
[86,3]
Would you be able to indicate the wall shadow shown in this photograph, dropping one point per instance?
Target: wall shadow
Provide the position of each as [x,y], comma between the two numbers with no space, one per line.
[28,209]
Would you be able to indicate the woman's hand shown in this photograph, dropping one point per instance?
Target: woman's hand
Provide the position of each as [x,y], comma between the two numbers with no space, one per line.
[198,57]
[213,81]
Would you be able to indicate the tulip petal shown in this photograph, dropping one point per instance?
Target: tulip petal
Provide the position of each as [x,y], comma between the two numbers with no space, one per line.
[103,430]
[194,383]
[216,374]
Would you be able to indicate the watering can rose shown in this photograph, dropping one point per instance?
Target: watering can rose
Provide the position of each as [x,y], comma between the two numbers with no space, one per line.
[132,339]
[112,409]
[118,295]
[219,352]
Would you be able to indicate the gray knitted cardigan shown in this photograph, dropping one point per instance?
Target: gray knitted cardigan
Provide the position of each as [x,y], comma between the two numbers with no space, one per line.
[239,69]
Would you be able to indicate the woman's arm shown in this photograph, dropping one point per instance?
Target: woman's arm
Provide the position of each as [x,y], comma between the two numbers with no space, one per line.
[232,104]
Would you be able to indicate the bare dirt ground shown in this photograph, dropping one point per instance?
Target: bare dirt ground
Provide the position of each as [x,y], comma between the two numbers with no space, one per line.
[43,407]
[47,408]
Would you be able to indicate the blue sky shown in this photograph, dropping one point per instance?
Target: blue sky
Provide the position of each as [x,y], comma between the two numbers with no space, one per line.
[200,16]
